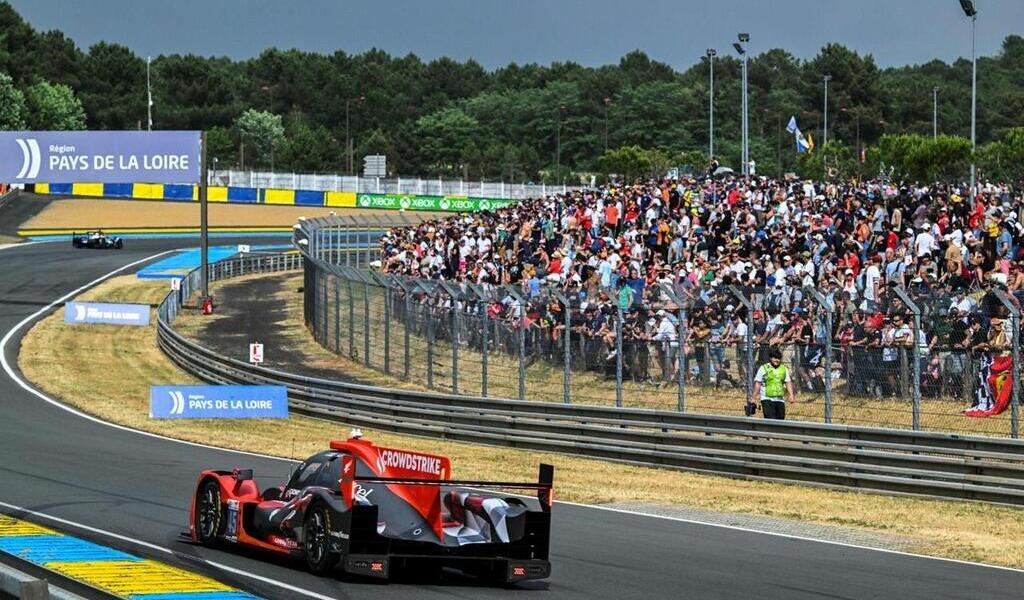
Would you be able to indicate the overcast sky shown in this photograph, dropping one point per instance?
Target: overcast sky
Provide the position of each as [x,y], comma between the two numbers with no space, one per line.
[496,32]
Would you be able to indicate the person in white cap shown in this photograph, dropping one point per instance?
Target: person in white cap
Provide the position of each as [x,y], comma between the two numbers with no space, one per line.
[924,243]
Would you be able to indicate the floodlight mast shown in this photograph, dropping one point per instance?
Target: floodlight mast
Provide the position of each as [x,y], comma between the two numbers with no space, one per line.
[741,49]
[711,53]
[824,136]
[972,13]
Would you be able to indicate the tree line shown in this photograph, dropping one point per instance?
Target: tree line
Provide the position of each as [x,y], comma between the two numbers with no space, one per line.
[297,110]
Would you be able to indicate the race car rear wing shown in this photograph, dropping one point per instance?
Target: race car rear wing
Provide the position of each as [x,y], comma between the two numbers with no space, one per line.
[544,486]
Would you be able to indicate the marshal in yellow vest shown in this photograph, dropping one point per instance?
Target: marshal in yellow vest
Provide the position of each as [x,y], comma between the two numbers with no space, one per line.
[774,380]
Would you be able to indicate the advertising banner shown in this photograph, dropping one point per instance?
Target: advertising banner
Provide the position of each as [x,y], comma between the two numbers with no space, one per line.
[218,402]
[107,156]
[80,313]
[431,203]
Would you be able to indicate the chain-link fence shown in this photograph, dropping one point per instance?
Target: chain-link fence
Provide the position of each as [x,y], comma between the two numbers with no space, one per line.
[910,361]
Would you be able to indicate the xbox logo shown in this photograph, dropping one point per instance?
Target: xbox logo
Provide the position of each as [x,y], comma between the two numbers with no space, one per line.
[404,202]
[445,204]
[485,205]
[364,201]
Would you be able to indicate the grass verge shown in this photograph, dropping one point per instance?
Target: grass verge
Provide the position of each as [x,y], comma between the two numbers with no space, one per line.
[126,361]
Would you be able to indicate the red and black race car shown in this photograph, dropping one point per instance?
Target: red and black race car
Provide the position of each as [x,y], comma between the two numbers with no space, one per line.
[369,510]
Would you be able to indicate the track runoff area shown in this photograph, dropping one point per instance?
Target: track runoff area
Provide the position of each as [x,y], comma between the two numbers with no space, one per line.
[67,442]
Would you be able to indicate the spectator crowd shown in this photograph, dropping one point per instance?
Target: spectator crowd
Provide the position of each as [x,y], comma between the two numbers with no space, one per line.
[619,257]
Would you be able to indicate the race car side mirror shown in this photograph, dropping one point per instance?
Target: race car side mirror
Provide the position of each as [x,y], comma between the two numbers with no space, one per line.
[242,474]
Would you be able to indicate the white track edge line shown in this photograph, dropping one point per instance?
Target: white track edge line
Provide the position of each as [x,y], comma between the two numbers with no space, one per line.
[6,367]
[157,548]
[17,245]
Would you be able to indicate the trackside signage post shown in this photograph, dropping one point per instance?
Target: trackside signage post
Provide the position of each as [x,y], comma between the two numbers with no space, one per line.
[256,353]
[111,157]
[218,402]
[80,313]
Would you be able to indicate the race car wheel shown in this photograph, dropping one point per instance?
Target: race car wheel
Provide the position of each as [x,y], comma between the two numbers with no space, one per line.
[119,244]
[208,514]
[319,558]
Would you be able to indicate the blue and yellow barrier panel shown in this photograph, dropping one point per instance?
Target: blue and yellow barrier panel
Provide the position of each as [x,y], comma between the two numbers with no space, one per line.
[115,572]
[309,198]
[216,193]
[240,195]
[341,199]
[87,189]
[141,191]
[273,196]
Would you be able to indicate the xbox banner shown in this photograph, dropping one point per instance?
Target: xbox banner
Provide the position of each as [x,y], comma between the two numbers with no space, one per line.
[430,203]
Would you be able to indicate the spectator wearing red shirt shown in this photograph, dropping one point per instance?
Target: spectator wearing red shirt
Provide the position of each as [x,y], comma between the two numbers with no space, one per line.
[611,217]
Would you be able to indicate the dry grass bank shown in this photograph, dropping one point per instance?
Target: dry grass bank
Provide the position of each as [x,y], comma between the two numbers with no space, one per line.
[83,213]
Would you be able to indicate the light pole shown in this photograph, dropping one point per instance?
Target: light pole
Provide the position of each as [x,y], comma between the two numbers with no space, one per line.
[711,53]
[348,138]
[856,114]
[741,48]
[972,12]
[935,112]
[607,104]
[558,145]
[824,134]
[778,138]
[149,99]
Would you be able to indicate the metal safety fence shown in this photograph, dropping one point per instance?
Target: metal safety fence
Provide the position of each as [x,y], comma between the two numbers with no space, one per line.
[910,362]
[226,269]
[851,457]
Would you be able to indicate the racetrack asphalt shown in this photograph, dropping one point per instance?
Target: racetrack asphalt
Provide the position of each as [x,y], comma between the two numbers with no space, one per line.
[138,487]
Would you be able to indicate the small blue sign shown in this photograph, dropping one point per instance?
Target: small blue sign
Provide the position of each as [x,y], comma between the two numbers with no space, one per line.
[218,402]
[78,313]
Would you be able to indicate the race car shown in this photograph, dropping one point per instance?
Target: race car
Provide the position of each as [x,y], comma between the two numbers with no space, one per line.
[372,511]
[96,239]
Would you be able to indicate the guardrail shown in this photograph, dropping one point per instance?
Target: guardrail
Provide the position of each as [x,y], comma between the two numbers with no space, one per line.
[849,457]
